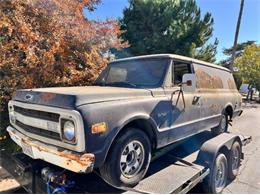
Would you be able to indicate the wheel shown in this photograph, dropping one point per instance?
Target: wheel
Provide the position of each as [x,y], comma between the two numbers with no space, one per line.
[217,179]
[128,159]
[223,125]
[234,160]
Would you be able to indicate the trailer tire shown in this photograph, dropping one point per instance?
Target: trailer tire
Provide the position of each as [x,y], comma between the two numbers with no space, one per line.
[128,159]
[234,160]
[223,125]
[216,181]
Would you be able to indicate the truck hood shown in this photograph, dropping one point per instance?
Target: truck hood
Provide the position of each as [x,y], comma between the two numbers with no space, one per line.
[71,97]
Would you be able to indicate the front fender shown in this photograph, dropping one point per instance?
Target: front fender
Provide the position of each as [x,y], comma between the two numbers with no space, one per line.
[133,117]
[101,158]
[117,115]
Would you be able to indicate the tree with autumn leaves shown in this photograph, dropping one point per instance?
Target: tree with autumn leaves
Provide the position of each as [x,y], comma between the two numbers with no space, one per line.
[46,43]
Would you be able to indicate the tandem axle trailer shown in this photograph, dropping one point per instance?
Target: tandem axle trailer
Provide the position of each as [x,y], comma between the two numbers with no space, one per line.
[205,159]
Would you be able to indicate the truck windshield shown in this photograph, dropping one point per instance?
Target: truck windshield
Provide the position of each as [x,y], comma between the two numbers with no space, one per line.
[139,73]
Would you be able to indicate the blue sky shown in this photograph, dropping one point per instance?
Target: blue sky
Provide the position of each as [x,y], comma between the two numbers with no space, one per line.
[224,12]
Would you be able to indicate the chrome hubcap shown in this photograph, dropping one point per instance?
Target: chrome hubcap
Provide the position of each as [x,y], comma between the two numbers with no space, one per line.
[132,158]
[235,159]
[220,174]
[223,123]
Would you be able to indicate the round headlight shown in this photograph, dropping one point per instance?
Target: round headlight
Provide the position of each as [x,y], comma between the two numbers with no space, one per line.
[69,130]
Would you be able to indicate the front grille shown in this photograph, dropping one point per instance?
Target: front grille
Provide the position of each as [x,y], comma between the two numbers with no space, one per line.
[38,131]
[42,123]
[37,114]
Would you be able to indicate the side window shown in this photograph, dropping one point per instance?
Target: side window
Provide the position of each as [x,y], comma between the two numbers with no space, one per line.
[116,75]
[180,68]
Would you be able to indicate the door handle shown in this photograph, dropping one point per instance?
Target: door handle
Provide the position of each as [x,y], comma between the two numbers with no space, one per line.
[196,100]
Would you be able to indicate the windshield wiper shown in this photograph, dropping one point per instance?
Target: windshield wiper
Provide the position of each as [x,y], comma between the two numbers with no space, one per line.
[122,83]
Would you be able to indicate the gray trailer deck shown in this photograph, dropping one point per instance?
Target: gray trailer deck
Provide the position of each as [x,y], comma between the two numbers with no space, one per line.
[174,176]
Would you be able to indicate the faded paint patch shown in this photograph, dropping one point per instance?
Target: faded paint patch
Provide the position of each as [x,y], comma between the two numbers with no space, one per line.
[206,81]
[231,84]
[46,97]
[215,108]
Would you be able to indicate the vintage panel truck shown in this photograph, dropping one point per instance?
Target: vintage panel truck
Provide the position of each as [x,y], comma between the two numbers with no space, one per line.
[136,106]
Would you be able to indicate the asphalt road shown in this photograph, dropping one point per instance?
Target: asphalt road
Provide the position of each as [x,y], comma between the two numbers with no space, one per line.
[248,180]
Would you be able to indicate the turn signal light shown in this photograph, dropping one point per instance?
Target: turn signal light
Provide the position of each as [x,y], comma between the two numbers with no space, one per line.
[99,128]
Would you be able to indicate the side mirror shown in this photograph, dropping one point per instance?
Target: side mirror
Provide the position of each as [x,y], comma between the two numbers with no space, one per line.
[189,82]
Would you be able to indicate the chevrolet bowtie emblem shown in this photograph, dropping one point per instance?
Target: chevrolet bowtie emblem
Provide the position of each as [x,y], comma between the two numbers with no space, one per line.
[28,97]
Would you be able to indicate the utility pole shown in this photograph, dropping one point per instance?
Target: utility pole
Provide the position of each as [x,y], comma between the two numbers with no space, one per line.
[231,66]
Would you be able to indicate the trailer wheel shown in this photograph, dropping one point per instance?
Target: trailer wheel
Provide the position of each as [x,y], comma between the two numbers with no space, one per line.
[234,160]
[223,125]
[128,159]
[217,179]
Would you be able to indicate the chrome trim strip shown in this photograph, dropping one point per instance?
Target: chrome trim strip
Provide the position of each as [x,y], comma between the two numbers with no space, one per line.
[189,122]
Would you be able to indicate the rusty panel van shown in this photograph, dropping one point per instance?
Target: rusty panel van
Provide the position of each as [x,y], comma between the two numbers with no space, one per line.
[136,106]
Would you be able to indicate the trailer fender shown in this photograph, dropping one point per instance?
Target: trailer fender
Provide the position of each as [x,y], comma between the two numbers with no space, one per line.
[210,149]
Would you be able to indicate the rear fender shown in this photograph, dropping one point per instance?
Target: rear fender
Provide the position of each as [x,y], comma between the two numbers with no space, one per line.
[210,149]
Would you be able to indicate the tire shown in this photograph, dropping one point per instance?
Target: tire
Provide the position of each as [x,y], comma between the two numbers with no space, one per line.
[234,160]
[128,159]
[223,125]
[216,181]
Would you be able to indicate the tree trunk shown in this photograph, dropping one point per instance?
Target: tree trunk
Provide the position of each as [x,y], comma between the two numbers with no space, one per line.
[231,66]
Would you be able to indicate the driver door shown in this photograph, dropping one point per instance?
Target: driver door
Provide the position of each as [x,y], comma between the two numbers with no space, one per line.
[185,106]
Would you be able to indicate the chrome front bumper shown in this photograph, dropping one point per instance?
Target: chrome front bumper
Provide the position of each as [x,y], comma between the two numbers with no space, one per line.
[79,163]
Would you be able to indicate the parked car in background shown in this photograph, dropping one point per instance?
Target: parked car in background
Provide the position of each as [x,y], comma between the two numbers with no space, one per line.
[249,91]
[136,106]
[244,89]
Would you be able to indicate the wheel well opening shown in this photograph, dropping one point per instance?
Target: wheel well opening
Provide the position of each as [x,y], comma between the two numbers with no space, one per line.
[239,141]
[224,150]
[142,124]
[146,126]
[229,111]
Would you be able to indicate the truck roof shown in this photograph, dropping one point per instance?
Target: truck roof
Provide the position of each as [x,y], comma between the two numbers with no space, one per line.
[176,57]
